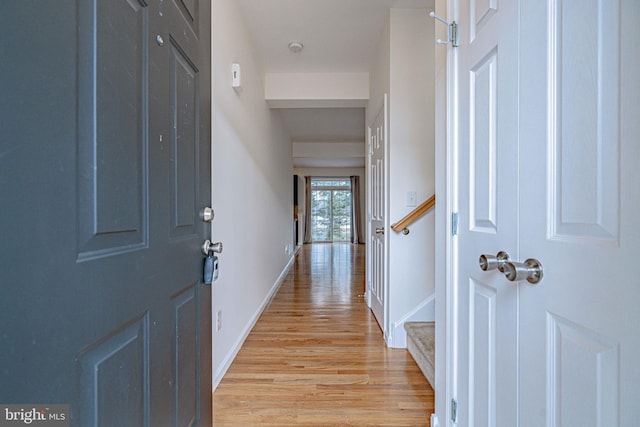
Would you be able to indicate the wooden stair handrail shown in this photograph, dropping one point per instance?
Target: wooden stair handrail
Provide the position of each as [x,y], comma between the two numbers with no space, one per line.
[414,215]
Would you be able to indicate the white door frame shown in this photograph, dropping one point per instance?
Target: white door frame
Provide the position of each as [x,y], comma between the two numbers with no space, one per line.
[446,168]
[367,177]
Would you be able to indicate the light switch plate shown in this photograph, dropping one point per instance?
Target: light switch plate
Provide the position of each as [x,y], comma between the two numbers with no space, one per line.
[236,76]
[411,199]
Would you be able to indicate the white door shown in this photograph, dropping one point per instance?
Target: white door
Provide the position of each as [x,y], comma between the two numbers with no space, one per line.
[377,287]
[486,304]
[545,169]
[580,212]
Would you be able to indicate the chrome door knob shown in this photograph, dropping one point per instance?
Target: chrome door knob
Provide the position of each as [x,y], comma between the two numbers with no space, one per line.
[207,214]
[530,270]
[208,247]
[490,262]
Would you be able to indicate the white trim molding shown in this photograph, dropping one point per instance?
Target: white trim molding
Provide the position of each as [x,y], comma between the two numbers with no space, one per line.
[423,312]
[226,363]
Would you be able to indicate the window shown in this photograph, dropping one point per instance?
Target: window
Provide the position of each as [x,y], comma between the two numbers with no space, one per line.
[330,209]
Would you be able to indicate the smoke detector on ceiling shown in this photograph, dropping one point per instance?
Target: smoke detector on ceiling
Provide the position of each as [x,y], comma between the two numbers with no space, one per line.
[296,47]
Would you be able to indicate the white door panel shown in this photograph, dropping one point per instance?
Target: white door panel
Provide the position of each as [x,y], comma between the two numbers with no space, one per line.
[579,347]
[377,289]
[487,183]
[548,103]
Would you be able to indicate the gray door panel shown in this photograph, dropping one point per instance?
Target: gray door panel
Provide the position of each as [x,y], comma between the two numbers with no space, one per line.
[104,165]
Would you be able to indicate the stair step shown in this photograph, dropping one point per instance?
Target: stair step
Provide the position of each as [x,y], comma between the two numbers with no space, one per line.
[421,344]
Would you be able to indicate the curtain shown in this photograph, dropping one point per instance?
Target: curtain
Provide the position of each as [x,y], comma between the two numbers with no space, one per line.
[356,223]
[307,209]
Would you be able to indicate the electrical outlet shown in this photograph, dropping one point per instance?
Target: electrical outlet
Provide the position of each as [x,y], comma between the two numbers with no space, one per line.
[219,320]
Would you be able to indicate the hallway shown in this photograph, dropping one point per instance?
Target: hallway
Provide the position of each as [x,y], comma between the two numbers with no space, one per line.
[316,356]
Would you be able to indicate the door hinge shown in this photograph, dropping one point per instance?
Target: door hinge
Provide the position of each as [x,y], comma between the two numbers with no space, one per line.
[454,223]
[454,410]
[453,27]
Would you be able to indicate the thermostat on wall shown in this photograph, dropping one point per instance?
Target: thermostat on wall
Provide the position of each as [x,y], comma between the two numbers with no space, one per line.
[235,72]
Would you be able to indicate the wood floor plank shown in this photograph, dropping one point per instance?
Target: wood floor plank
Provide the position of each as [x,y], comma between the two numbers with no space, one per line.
[316,356]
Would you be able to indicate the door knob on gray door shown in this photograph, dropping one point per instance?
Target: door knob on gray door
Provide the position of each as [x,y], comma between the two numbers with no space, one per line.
[208,247]
[490,262]
[530,270]
[380,230]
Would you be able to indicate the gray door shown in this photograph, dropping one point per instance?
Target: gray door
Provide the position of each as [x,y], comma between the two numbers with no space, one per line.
[104,165]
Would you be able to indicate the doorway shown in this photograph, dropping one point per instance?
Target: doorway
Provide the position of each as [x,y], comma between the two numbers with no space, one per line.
[331,209]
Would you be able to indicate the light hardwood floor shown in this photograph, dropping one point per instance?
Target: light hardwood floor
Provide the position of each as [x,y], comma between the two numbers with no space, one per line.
[316,356]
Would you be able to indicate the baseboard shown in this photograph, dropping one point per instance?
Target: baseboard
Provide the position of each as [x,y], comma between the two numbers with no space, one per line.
[226,363]
[423,312]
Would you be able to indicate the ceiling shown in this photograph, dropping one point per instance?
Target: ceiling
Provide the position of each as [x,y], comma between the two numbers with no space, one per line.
[338,36]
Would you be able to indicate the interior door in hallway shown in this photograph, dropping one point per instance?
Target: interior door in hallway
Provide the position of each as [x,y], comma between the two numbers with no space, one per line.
[579,204]
[377,277]
[487,177]
[564,182]
[104,166]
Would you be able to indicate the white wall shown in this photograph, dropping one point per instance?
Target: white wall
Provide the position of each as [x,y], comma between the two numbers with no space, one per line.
[252,187]
[312,90]
[412,164]
[410,84]
[380,74]
[334,172]
[329,149]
